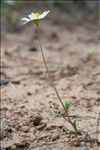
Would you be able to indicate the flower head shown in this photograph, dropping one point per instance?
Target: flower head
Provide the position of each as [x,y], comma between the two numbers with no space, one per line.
[35,17]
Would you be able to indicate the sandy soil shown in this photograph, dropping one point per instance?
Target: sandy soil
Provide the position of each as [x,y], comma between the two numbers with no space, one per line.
[28,102]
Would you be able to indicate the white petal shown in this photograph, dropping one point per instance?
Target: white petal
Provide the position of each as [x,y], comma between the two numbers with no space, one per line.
[44,14]
[31,16]
[26,20]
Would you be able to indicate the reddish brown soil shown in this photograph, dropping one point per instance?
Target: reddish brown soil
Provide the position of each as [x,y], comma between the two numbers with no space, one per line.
[29,93]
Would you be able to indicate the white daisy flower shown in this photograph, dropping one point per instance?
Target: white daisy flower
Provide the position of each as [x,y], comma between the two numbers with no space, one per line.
[35,17]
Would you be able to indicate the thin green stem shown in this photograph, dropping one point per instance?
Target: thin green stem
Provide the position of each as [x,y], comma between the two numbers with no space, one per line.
[48,69]
[52,83]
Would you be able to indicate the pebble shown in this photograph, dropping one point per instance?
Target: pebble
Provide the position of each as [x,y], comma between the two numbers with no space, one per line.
[44,135]
[24,129]
[55,136]
[29,93]
[3,82]
[33,49]
[76,143]
[36,119]
[15,82]
[13,147]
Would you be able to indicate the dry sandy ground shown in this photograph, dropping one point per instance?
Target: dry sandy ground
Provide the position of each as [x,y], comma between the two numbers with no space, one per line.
[28,102]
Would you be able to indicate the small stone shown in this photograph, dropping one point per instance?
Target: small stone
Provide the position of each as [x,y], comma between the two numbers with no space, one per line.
[44,136]
[54,36]
[36,119]
[22,144]
[76,143]
[33,49]
[82,143]
[72,136]
[23,106]
[15,82]
[56,106]
[13,147]
[24,129]
[3,82]
[29,93]
[55,136]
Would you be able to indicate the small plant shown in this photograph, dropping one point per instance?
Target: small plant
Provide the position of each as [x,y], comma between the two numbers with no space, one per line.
[67,117]
[89,55]
[36,18]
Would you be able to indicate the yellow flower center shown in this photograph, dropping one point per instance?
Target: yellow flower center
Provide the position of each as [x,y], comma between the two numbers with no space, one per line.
[36,14]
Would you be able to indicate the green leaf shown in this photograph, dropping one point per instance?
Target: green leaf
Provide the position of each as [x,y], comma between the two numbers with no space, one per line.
[77,120]
[67,105]
[90,53]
